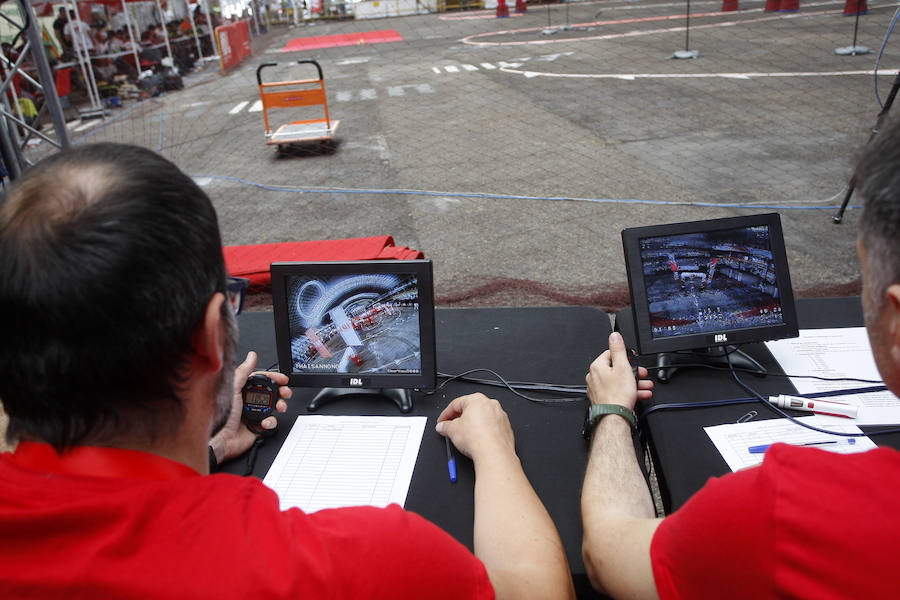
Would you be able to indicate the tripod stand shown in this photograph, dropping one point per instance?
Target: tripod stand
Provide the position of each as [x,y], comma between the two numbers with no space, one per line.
[839,215]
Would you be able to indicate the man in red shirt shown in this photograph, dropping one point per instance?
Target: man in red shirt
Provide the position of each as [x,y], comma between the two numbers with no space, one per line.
[806,523]
[115,370]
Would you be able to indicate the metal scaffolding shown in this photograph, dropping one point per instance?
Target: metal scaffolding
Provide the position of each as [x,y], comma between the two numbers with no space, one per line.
[15,129]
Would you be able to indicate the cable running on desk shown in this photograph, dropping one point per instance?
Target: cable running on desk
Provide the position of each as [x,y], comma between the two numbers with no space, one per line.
[514,387]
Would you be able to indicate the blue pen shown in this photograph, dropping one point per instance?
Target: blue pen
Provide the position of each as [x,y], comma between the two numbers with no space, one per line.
[762,448]
[451,461]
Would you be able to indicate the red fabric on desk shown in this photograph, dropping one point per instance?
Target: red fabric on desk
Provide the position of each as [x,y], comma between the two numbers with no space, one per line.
[253,261]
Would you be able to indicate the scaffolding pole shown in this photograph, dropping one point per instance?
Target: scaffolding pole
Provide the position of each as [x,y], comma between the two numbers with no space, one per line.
[11,120]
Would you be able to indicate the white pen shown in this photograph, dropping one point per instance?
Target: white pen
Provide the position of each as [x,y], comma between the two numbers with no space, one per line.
[816,405]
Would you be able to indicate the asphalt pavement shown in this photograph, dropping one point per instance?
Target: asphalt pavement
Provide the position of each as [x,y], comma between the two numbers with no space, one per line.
[512,152]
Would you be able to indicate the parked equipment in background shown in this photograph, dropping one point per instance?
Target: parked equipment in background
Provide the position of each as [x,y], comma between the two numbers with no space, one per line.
[302,96]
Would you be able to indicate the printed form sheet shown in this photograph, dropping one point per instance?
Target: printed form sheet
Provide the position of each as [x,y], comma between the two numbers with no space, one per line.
[333,461]
[734,440]
[842,352]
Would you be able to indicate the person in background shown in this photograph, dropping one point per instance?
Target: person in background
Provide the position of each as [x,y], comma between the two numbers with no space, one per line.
[78,34]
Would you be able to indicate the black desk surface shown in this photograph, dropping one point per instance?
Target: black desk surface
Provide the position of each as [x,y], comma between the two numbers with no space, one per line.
[529,344]
[684,456]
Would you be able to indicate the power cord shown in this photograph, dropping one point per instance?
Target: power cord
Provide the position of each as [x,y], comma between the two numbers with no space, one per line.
[581,391]
[784,415]
[514,386]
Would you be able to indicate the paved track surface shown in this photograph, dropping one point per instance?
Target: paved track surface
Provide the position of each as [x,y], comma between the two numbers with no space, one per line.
[533,142]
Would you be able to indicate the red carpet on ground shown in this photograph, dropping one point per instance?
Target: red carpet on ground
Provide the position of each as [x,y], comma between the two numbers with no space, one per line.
[253,261]
[343,39]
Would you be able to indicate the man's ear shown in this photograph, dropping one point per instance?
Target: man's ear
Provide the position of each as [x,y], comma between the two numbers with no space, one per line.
[892,321]
[209,336]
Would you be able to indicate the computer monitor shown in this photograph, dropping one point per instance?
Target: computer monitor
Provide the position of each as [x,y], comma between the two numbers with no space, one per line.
[356,328]
[705,285]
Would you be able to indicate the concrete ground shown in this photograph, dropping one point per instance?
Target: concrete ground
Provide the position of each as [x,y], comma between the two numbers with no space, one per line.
[512,152]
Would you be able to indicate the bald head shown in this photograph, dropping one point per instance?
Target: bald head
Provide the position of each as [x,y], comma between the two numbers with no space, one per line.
[108,254]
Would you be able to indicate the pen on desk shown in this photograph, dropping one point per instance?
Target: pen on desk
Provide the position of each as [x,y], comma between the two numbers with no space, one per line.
[451,461]
[761,449]
[822,407]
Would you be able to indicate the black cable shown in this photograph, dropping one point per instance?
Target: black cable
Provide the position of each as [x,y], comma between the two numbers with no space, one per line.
[251,457]
[504,383]
[515,386]
[784,415]
[771,374]
[527,385]
[704,404]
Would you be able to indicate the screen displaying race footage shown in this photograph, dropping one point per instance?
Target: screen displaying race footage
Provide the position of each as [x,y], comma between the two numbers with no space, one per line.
[710,281]
[354,324]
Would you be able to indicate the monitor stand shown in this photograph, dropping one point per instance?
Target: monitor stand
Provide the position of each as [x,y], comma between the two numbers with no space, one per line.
[668,363]
[402,398]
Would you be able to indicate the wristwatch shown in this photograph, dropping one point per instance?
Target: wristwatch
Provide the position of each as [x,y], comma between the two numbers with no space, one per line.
[595,412]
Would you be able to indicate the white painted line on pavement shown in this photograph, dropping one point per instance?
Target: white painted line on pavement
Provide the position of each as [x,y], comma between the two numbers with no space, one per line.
[88,124]
[238,108]
[633,76]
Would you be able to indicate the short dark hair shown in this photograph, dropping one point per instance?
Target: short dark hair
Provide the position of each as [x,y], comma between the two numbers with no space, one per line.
[878,180]
[109,255]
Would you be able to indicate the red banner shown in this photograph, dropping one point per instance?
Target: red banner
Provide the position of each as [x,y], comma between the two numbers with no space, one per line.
[234,43]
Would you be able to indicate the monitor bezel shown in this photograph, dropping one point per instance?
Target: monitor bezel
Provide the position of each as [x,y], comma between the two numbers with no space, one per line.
[424,381]
[647,344]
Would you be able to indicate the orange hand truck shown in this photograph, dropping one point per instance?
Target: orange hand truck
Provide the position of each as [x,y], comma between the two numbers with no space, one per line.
[293,94]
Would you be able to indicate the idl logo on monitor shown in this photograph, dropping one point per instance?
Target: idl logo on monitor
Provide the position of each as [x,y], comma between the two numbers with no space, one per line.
[721,337]
[356,382]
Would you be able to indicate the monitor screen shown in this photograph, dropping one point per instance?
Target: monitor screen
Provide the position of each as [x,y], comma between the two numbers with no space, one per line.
[363,324]
[709,283]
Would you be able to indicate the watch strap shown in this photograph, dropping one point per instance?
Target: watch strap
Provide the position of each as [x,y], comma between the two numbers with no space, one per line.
[213,463]
[598,411]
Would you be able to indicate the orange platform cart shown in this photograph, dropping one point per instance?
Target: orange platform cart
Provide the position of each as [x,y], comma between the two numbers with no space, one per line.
[300,95]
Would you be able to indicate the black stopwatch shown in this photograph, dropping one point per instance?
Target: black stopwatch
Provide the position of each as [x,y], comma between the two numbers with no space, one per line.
[259,395]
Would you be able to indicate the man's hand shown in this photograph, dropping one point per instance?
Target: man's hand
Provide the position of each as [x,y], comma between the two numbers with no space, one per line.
[611,380]
[476,424]
[514,536]
[234,439]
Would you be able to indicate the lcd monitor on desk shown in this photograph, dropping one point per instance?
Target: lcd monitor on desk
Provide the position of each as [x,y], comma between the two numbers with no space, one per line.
[706,285]
[356,328]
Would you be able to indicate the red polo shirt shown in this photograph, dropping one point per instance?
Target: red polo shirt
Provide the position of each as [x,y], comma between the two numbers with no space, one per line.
[110,523]
[805,524]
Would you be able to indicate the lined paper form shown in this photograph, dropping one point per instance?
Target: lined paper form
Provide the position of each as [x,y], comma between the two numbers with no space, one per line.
[734,440]
[836,353]
[335,461]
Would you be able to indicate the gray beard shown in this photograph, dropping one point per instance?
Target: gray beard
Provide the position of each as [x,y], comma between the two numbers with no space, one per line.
[225,385]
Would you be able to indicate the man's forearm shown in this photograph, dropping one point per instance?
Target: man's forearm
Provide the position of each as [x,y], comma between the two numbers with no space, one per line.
[614,483]
[514,535]
[617,510]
